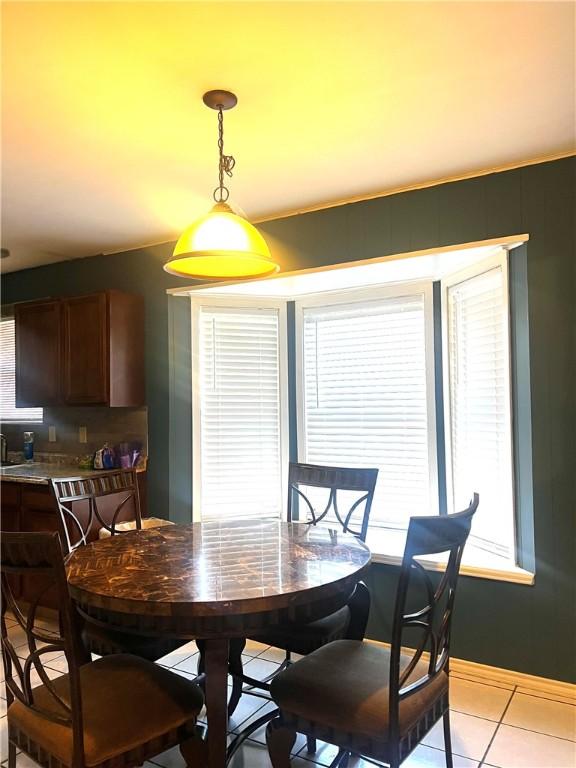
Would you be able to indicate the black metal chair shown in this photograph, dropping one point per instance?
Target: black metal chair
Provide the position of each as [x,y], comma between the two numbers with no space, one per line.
[87,505]
[374,701]
[341,497]
[117,711]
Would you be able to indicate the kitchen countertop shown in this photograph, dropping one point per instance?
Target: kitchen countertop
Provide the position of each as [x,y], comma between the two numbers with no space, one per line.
[41,473]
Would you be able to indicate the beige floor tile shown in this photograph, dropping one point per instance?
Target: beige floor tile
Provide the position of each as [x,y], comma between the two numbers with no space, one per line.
[259,668]
[35,678]
[254,755]
[46,658]
[277,655]
[190,664]
[478,699]
[182,673]
[426,757]
[3,707]
[23,761]
[470,735]
[50,624]
[17,636]
[542,715]
[251,755]
[324,754]
[253,648]
[249,707]
[260,734]
[421,757]
[517,748]
[3,738]
[179,655]
[59,664]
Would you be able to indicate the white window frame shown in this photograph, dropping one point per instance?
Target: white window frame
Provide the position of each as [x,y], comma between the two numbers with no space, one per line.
[497,260]
[233,303]
[373,294]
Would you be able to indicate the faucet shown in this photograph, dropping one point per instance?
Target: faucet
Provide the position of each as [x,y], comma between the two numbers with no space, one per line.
[3,449]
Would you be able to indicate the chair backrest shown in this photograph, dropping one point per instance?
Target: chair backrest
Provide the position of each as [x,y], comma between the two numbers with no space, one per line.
[38,557]
[86,504]
[432,620]
[346,502]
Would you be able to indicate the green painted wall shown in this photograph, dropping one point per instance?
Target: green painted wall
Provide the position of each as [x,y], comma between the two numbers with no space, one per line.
[530,629]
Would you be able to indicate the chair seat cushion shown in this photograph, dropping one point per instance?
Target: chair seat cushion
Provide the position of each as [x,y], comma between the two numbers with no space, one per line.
[130,525]
[305,638]
[344,686]
[106,641]
[126,702]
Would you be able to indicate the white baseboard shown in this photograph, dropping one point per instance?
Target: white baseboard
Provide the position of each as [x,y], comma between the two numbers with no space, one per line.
[508,677]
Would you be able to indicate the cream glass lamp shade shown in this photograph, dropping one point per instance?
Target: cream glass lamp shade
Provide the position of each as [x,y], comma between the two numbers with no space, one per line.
[219,246]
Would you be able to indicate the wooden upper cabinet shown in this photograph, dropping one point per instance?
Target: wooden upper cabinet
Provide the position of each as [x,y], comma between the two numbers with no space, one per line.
[101,338]
[85,380]
[38,353]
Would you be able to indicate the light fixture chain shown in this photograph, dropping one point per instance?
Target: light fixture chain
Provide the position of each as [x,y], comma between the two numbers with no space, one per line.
[226,162]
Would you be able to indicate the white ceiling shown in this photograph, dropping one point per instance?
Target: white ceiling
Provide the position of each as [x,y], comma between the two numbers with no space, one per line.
[107,146]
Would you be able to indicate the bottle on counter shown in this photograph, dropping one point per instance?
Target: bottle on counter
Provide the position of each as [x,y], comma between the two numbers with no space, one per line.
[104,458]
[108,457]
[29,447]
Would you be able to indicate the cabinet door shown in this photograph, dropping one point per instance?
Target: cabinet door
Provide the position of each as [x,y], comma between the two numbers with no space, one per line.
[38,353]
[86,350]
[33,585]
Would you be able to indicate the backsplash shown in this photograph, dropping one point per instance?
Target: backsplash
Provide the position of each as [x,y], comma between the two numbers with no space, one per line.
[103,425]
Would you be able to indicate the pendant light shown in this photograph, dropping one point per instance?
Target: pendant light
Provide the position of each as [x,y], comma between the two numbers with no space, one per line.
[221,245]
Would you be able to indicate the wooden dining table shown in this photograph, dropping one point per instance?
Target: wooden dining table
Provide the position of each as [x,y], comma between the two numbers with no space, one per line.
[216,581]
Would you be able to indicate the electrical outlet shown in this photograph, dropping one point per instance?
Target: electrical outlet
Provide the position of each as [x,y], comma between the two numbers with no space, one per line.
[51,434]
[82,435]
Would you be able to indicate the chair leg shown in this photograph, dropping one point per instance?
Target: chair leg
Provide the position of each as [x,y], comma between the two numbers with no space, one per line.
[11,755]
[394,755]
[447,739]
[310,745]
[280,741]
[235,669]
[195,751]
[359,605]
[201,645]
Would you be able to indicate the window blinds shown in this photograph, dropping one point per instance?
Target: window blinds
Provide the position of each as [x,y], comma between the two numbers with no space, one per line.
[480,453]
[8,410]
[239,404]
[365,400]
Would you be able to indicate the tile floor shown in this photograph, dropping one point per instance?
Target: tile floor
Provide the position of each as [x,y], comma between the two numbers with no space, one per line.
[496,725]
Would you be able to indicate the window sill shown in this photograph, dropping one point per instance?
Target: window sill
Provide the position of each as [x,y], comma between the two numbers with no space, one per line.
[387,547]
[21,423]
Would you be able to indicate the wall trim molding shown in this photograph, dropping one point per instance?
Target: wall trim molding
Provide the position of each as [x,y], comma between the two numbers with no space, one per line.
[491,675]
[511,677]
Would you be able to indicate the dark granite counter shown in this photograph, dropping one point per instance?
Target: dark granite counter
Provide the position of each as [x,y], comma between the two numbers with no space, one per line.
[41,473]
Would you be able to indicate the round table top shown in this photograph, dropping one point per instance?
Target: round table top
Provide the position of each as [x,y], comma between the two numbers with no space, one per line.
[216,567]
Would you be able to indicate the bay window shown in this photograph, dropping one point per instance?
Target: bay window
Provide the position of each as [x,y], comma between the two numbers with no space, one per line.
[364,389]
[238,409]
[410,376]
[477,401]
